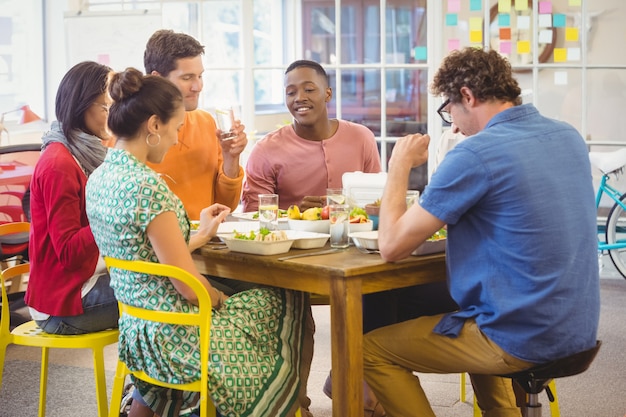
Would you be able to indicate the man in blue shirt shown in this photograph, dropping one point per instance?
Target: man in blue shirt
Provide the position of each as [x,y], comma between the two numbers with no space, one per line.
[518,201]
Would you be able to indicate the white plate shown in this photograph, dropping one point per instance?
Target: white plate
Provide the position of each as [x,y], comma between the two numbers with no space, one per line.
[241,227]
[430,246]
[307,240]
[254,216]
[317,226]
[256,247]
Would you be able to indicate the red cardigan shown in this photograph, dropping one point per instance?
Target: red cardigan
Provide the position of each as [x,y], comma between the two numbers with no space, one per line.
[62,250]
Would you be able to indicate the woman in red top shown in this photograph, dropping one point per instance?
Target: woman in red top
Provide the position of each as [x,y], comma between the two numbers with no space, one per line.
[68,290]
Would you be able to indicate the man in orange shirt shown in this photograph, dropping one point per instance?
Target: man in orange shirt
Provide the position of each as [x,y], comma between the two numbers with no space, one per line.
[201,169]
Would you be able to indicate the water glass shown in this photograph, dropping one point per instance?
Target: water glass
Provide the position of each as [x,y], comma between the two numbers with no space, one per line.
[339,225]
[335,196]
[225,118]
[268,211]
[411,197]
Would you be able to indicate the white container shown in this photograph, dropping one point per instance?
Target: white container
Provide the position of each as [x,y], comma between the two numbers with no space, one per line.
[257,247]
[430,246]
[365,240]
[360,227]
[363,188]
[307,240]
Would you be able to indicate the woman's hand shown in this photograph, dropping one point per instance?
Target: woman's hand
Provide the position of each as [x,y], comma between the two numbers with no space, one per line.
[210,219]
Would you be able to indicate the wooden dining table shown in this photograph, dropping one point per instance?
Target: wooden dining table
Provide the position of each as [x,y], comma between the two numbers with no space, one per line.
[344,277]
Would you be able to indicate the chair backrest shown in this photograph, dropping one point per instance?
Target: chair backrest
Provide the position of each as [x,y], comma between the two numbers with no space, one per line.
[201,319]
[11,276]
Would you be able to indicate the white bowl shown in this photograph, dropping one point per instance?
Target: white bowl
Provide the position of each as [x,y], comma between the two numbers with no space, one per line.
[307,240]
[317,226]
[256,247]
[366,240]
[430,246]
[361,227]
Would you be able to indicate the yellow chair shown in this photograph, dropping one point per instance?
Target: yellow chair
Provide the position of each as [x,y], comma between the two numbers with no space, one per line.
[554,405]
[28,334]
[202,319]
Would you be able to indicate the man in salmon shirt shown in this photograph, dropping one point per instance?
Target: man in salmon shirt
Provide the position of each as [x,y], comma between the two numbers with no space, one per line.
[201,169]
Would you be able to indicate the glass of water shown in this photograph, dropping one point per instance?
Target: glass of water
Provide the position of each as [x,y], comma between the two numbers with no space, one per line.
[225,118]
[339,225]
[335,196]
[268,211]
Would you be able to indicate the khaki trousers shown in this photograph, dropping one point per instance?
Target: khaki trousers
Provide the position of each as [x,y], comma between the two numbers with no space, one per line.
[393,353]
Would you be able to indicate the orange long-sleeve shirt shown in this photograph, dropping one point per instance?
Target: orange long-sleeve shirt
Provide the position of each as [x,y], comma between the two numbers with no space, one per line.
[194,170]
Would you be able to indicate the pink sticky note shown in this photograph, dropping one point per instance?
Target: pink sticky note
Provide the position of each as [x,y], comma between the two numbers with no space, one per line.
[505,47]
[545,7]
[453,44]
[454,6]
[104,59]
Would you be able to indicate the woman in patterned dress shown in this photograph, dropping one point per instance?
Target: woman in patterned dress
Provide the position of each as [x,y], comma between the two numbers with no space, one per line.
[134,216]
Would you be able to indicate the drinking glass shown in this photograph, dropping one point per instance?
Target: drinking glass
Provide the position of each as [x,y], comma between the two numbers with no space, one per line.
[335,196]
[225,119]
[268,211]
[339,225]
[411,197]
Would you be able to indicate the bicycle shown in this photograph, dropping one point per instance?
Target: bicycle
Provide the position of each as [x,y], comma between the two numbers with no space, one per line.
[614,230]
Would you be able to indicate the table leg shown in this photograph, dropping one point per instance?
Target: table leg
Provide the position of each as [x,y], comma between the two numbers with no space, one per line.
[346,322]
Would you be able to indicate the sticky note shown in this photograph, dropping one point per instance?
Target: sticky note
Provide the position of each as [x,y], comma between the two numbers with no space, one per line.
[558,20]
[571,34]
[476,5]
[560,54]
[504,20]
[476,23]
[505,47]
[545,36]
[421,53]
[504,6]
[523,22]
[476,36]
[453,44]
[505,34]
[545,20]
[523,47]
[573,54]
[521,5]
[454,6]
[452,19]
[560,78]
[574,3]
[545,7]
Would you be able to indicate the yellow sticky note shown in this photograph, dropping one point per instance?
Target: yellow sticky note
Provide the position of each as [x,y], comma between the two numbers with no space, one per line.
[523,47]
[476,23]
[476,36]
[574,3]
[504,6]
[571,34]
[521,5]
[560,54]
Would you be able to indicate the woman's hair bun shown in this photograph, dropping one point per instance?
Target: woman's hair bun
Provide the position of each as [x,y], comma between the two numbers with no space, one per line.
[125,84]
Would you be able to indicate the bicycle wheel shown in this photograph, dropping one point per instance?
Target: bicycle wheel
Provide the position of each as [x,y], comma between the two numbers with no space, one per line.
[616,234]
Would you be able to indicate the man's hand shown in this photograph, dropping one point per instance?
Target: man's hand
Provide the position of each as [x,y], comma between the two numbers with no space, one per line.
[411,150]
[233,147]
[312,201]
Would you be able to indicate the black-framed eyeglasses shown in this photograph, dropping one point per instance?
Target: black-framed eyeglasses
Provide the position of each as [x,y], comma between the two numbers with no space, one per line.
[445,114]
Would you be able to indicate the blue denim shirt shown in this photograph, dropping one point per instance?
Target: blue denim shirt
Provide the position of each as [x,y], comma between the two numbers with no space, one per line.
[522,246]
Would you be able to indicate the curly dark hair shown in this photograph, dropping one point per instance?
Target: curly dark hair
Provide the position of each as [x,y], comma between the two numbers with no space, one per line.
[487,73]
[308,64]
[165,47]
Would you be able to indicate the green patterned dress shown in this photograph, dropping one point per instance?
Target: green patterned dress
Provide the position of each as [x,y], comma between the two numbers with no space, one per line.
[256,336]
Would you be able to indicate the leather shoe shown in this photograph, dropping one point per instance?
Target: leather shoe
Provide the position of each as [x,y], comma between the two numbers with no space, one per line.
[372,407]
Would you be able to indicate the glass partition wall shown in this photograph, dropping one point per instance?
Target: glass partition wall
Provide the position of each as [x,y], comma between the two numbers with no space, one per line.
[380,54]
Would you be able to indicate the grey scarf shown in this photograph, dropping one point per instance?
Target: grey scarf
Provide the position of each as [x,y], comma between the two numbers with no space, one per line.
[88,149]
